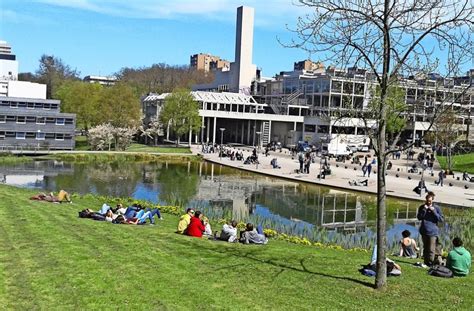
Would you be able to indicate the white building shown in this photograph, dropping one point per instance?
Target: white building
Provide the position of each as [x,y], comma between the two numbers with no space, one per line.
[239,78]
[103,80]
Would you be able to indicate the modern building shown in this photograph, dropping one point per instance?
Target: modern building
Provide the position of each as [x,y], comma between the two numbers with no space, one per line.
[35,124]
[207,62]
[313,103]
[239,77]
[27,118]
[107,81]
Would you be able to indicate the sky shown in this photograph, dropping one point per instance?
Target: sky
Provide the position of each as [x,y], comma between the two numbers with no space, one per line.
[99,37]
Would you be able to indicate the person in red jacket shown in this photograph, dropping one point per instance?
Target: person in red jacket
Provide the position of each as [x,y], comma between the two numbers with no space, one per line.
[196,227]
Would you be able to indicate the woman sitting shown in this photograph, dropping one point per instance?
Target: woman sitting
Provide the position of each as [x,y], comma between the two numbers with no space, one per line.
[196,228]
[408,246]
[250,235]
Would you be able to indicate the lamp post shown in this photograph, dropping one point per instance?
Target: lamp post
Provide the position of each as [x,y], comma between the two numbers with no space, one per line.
[258,140]
[203,127]
[222,129]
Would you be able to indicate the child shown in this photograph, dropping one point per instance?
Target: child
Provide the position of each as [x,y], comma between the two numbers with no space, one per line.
[408,246]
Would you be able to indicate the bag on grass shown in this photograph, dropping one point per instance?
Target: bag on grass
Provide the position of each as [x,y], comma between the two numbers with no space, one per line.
[440,271]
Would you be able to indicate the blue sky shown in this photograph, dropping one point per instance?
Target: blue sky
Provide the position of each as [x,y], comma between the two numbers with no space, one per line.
[102,36]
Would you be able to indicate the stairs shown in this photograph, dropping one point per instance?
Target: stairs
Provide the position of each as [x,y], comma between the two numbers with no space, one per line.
[266,133]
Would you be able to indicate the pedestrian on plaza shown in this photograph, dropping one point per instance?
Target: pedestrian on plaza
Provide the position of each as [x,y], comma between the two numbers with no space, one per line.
[441,176]
[369,169]
[301,160]
[307,162]
[430,215]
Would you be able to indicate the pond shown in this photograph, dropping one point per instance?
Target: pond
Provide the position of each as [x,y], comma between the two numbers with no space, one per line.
[319,213]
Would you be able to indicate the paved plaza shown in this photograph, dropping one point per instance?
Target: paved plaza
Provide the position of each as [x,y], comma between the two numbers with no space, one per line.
[401,186]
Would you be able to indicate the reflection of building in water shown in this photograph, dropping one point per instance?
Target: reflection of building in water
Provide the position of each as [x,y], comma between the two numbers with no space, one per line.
[333,210]
[406,215]
[33,173]
[232,192]
[342,212]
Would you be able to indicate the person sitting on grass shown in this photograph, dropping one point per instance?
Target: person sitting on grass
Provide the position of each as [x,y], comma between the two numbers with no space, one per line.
[251,236]
[184,221]
[408,246]
[207,226]
[459,259]
[229,232]
[196,228]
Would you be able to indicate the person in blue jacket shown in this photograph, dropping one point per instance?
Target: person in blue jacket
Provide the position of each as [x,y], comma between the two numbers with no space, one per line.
[430,215]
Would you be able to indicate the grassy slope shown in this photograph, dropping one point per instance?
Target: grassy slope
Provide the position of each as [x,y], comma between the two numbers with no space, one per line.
[461,163]
[49,258]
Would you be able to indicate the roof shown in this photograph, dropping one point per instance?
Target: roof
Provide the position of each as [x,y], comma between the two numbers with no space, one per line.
[211,97]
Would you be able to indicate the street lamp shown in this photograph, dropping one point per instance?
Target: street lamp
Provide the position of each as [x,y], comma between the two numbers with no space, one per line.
[202,136]
[258,140]
[222,129]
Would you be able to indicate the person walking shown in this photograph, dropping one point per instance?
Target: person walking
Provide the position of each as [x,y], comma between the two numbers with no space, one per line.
[430,215]
[441,178]
[369,169]
[301,160]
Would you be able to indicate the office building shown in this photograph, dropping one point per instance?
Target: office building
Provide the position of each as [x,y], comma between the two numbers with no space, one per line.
[207,62]
[102,80]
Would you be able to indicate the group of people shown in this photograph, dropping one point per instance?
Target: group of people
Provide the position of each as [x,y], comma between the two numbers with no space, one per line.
[194,224]
[459,258]
[305,159]
[132,215]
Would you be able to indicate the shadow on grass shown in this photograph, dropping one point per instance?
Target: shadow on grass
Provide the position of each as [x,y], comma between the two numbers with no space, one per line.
[253,250]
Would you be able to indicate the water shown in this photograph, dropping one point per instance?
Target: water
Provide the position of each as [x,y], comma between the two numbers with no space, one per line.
[296,208]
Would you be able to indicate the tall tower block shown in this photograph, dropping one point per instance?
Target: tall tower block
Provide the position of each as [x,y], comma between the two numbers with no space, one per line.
[244,69]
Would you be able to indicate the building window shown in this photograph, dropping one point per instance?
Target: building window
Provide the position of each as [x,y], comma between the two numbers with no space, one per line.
[3,119]
[30,106]
[13,105]
[20,119]
[40,120]
[47,106]
[20,135]
[40,136]
[60,121]
[2,135]
[59,136]
[310,128]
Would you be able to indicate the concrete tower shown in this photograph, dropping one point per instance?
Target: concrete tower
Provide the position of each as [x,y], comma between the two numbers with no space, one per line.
[243,71]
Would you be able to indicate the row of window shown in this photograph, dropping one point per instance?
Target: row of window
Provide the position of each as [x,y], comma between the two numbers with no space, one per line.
[34,135]
[45,106]
[37,120]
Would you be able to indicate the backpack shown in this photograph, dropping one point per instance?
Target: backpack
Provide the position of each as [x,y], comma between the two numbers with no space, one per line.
[440,271]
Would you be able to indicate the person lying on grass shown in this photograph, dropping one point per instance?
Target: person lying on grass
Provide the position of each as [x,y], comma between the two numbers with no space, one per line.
[140,217]
[251,236]
[62,196]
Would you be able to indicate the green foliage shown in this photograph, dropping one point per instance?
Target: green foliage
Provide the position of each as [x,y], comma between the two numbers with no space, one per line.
[181,111]
[83,99]
[53,72]
[460,163]
[120,106]
[51,259]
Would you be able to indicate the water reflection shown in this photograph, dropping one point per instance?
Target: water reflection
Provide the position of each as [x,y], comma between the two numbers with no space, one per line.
[222,192]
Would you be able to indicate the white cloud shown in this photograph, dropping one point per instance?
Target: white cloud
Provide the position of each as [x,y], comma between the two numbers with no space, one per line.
[14,17]
[268,13]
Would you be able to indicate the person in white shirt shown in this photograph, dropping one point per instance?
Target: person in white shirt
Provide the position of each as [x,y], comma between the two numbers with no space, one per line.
[229,232]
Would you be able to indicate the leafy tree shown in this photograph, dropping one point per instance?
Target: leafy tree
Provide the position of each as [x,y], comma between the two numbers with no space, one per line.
[83,99]
[53,72]
[391,38]
[153,130]
[119,106]
[447,131]
[181,113]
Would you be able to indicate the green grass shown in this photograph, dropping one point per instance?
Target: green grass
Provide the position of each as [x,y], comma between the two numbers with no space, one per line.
[12,159]
[51,259]
[82,145]
[461,163]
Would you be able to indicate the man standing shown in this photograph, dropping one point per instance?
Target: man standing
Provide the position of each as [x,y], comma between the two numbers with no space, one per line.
[441,178]
[430,215]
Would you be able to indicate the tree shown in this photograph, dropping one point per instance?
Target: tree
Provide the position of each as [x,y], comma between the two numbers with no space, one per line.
[391,38]
[120,106]
[153,130]
[181,113]
[83,99]
[447,132]
[53,72]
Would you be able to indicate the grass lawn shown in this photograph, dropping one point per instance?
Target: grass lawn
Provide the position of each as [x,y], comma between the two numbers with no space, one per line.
[81,145]
[461,163]
[51,259]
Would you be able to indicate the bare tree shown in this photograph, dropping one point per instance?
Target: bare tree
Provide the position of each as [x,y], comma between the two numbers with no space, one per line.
[392,38]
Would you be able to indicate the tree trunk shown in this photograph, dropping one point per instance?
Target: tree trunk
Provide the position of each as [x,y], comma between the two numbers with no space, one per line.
[381,267]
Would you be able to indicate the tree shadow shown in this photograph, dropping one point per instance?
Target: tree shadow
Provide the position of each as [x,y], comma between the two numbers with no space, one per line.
[254,250]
